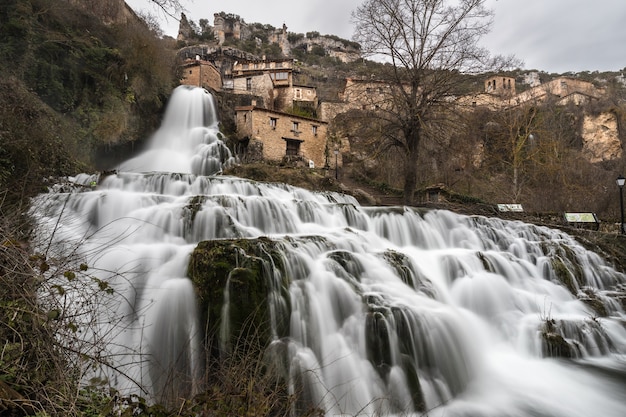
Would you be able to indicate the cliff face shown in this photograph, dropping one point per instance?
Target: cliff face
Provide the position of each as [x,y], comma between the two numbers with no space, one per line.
[333,47]
[109,11]
[227,27]
[601,140]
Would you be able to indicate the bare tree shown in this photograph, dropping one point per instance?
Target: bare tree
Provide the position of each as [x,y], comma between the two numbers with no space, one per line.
[169,7]
[428,45]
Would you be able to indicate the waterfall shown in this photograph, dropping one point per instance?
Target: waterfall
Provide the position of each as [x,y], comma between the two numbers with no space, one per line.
[188,140]
[384,311]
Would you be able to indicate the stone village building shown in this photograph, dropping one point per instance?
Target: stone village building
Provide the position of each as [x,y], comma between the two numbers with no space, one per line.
[272,80]
[267,79]
[277,136]
[201,73]
[500,93]
[266,130]
[600,133]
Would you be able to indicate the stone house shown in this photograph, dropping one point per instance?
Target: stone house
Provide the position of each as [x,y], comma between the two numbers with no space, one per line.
[264,78]
[201,73]
[273,81]
[502,86]
[304,97]
[258,84]
[357,94]
[564,89]
[500,93]
[281,136]
[269,80]
[366,94]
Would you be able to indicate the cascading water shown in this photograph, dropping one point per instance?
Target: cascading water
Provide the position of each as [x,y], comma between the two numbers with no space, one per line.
[188,141]
[391,311]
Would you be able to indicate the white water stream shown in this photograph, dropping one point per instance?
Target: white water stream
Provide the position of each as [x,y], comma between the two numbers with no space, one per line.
[393,311]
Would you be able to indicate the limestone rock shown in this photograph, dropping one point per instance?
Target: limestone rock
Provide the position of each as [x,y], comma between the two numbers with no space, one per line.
[600,138]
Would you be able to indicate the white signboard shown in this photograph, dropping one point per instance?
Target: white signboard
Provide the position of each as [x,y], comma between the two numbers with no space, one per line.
[580,218]
[510,207]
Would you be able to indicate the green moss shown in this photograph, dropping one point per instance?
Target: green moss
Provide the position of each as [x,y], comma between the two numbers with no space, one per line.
[243,272]
[194,205]
[563,275]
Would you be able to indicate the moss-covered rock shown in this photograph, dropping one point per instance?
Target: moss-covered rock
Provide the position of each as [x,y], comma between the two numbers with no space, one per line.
[590,297]
[564,275]
[555,346]
[233,281]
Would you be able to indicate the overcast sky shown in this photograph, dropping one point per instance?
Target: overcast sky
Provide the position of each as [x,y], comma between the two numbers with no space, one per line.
[548,35]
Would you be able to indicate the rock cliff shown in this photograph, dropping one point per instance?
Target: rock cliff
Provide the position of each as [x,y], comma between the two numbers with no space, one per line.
[601,140]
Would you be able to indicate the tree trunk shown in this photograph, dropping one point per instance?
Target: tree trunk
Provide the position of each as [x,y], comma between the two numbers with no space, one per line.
[410,180]
[412,137]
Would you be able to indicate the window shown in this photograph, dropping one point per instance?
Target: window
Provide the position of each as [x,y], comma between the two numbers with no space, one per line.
[314,130]
[280,76]
[244,66]
[279,65]
[293,147]
[248,84]
[294,127]
[298,93]
[273,122]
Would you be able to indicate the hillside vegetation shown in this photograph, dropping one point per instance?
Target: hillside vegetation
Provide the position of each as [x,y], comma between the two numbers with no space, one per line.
[71,87]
